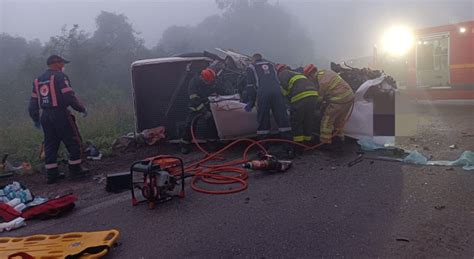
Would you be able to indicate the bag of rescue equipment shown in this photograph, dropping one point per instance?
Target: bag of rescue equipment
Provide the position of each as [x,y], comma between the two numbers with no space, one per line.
[8,213]
[51,209]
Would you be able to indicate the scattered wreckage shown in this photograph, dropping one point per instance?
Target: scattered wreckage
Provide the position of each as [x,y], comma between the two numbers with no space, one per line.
[160,96]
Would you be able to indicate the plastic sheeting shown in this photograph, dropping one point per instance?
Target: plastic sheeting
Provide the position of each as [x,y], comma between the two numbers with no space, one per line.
[367,144]
[466,160]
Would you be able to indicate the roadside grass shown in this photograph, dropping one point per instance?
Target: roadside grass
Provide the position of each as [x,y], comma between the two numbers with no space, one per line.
[102,126]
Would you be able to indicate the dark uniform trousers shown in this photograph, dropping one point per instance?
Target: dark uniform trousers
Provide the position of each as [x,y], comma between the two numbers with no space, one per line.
[272,101]
[59,126]
[302,118]
[187,135]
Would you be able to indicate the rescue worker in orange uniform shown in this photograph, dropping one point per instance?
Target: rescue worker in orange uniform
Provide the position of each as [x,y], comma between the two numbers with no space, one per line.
[201,86]
[303,98]
[338,96]
[51,96]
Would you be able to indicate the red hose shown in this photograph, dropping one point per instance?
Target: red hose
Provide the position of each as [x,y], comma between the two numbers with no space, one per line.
[212,174]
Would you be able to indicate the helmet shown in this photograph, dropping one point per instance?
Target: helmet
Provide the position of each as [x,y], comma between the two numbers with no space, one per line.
[208,75]
[309,69]
[279,67]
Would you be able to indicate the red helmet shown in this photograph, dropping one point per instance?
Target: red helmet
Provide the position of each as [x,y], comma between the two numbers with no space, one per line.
[309,69]
[208,75]
[279,67]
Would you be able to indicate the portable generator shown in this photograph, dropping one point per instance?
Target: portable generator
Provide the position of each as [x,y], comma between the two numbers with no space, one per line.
[161,175]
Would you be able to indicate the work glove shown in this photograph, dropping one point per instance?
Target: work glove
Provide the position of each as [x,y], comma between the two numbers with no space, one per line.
[84,113]
[37,124]
[248,107]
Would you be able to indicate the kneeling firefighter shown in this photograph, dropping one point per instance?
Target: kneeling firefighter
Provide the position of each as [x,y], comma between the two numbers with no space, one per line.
[339,98]
[201,86]
[264,88]
[303,97]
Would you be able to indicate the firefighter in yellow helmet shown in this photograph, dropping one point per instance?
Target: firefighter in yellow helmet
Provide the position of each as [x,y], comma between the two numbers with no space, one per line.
[303,98]
[339,98]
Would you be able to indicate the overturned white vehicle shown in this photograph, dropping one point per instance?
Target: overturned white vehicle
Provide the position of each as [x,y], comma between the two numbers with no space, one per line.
[160,97]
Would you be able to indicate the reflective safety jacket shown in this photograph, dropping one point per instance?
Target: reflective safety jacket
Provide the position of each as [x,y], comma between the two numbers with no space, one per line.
[296,86]
[332,87]
[199,92]
[52,90]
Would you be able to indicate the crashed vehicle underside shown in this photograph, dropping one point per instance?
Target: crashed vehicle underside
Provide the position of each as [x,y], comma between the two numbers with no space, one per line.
[160,95]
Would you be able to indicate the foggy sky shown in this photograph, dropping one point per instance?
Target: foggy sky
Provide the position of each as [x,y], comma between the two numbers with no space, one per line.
[340,29]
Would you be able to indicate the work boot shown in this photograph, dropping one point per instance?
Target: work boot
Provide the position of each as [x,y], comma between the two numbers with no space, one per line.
[77,171]
[53,176]
[185,149]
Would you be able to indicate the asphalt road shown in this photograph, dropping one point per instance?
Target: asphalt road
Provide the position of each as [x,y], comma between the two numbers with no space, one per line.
[319,208]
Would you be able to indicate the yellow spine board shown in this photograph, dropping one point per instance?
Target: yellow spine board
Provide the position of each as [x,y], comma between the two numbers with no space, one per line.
[58,246]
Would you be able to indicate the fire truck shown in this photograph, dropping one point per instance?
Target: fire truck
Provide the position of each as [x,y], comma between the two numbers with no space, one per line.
[441,65]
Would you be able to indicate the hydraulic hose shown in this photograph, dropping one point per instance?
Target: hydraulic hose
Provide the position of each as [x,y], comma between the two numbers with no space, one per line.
[213,174]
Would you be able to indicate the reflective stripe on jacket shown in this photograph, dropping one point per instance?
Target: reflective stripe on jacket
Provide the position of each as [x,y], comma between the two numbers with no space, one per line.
[296,86]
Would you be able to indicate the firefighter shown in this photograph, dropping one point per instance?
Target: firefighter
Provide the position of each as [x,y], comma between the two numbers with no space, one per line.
[52,95]
[201,86]
[339,98]
[303,98]
[263,88]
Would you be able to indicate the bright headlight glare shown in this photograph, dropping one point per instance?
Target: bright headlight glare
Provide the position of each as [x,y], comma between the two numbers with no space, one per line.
[398,40]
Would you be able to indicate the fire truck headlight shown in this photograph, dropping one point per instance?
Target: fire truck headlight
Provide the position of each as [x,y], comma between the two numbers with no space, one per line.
[398,40]
[462,30]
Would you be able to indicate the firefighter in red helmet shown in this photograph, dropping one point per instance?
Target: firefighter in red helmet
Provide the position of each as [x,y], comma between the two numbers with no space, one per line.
[338,95]
[201,86]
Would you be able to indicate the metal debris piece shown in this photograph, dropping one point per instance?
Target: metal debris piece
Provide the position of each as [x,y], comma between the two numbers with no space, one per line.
[403,240]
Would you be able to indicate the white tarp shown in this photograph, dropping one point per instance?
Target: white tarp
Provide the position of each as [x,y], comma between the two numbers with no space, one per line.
[361,123]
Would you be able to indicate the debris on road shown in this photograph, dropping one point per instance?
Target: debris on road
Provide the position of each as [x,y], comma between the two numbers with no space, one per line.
[147,137]
[453,147]
[92,152]
[403,240]
[358,159]
[466,160]
[8,169]
[440,207]
[416,158]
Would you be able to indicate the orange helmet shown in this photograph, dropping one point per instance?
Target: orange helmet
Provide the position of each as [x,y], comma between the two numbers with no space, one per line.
[208,75]
[279,67]
[309,69]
